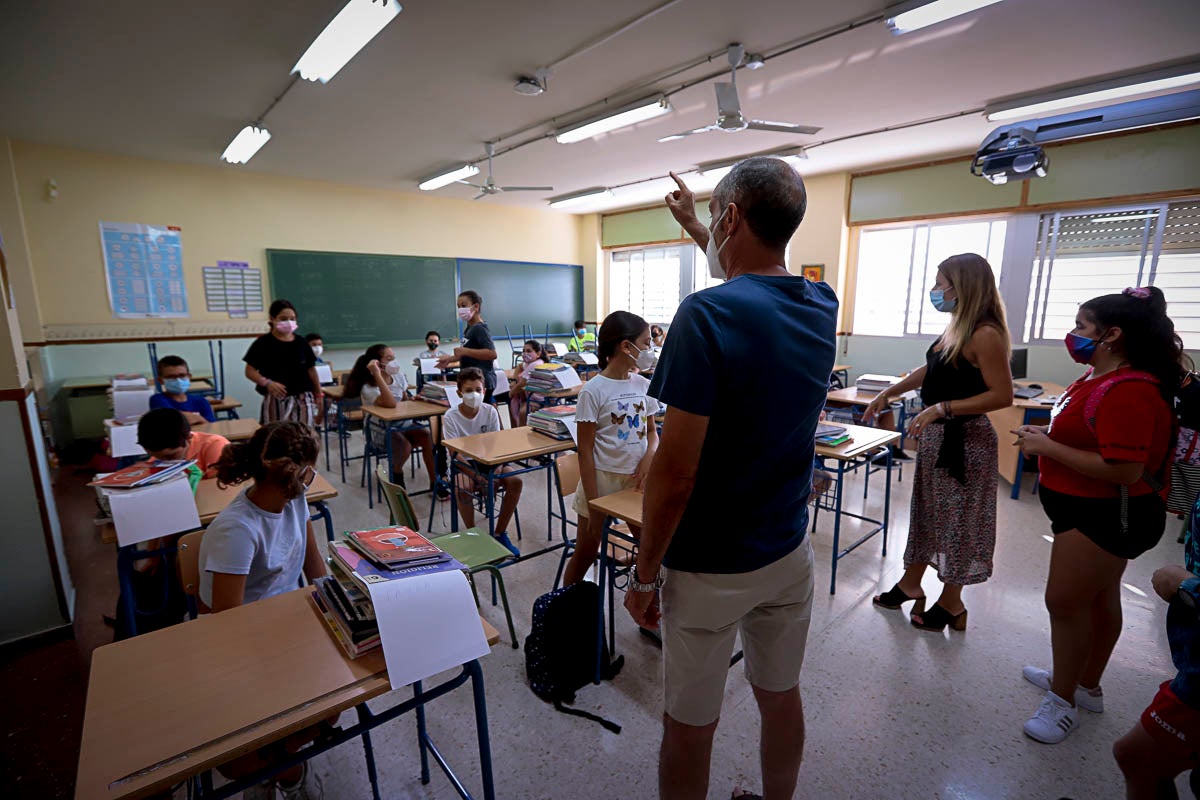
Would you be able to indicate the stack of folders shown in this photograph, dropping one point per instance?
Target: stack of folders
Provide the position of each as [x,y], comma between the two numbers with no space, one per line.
[359,559]
[437,391]
[832,435]
[144,473]
[874,384]
[551,421]
[586,358]
[551,378]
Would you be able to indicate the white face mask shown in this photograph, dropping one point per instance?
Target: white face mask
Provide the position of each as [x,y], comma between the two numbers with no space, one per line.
[645,358]
[317,350]
[472,399]
[713,253]
[392,367]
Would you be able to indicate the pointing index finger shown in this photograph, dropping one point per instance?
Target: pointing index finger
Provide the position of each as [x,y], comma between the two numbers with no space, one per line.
[678,181]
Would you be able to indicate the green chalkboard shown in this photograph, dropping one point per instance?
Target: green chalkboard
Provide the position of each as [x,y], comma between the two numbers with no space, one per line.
[517,293]
[358,299]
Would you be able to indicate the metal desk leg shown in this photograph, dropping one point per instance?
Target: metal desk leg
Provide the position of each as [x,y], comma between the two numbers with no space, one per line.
[422,734]
[453,492]
[837,525]
[481,728]
[489,501]
[322,511]
[326,404]
[602,581]
[364,717]
[887,499]
[1016,487]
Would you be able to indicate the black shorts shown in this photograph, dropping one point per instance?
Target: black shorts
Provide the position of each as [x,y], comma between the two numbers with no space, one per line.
[1099,519]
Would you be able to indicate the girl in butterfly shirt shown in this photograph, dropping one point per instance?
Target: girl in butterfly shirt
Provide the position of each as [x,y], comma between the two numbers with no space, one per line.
[617,437]
[1103,460]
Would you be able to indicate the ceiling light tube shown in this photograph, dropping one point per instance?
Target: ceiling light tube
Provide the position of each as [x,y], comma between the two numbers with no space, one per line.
[356,24]
[447,178]
[629,115]
[580,198]
[1105,91]
[248,142]
[912,16]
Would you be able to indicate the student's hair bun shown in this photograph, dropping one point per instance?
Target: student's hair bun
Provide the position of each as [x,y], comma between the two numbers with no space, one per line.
[276,445]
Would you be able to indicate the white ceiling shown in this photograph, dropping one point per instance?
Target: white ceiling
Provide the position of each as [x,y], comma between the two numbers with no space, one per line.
[176,81]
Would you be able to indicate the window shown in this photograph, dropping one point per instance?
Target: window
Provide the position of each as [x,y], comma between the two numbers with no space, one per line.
[897,266]
[1083,254]
[647,280]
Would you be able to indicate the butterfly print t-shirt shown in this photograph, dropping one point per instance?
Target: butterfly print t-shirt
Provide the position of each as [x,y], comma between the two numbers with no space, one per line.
[622,412]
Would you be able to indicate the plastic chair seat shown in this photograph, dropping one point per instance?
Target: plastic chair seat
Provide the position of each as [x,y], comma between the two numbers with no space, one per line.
[474,547]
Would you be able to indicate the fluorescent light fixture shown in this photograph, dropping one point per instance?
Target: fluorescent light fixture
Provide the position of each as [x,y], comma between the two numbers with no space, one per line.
[1106,91]
[581,198]
[356,24]
[629,115]
[719,169]
[447,178]
[1126,217]
[913,16]
[245,144]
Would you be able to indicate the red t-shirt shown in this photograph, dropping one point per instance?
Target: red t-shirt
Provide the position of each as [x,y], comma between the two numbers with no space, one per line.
[1133,424]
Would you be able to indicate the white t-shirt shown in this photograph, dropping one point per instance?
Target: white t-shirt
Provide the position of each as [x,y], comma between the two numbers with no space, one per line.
[267,548]
[455,423]
[399,387]
[622,412]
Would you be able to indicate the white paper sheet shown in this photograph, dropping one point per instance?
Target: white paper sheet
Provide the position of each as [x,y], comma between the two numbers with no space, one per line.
[572,428]
[429,366]
[122,440]
[129,383]
[452,397]
[501,382]
[428,623]
[324,374]
[153,511]
[131,402]
[568,378]
[589,359]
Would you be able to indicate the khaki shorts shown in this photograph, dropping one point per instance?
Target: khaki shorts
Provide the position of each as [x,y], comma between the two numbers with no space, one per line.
[606,483]
[702,612]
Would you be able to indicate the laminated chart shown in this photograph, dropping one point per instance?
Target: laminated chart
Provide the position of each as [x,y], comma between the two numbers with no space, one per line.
[143,266]
[233,287]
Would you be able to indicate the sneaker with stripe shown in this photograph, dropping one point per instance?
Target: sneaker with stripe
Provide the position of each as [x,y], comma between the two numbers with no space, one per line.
[1084,698]
[1053,721]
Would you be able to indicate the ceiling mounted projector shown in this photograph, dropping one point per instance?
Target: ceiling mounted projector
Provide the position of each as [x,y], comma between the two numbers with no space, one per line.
[1010,154]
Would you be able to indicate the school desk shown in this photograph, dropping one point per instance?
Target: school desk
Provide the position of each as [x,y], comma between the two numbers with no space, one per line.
[171,705]
[235,430]
[1010,460]
[330,394]
[225,405]
[552,398]
[487,453]
[392,418]
[853,399]
[843,372]
[864,445]
[211,500]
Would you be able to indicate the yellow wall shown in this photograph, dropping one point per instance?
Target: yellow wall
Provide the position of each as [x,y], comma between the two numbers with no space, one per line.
[234,215]
[821,238]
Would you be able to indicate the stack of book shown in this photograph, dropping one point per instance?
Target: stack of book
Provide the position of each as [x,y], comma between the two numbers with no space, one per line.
[832,435]
[551,378]
[550,420]
[361,558]
[437,391]
[144,473]
[874,384]
[581,359]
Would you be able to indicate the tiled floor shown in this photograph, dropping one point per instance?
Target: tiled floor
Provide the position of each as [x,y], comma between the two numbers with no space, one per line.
[892,712]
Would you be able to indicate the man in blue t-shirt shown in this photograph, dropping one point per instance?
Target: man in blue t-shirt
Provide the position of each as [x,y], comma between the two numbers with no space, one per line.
[726,500]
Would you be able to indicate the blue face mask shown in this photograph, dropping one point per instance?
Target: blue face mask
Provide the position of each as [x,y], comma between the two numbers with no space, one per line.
[177,385]
[1081,348]
[581,332]
[938,298]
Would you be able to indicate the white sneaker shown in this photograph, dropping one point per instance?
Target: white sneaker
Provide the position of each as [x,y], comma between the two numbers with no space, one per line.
[309,787]
[1053,721]
[1083,697]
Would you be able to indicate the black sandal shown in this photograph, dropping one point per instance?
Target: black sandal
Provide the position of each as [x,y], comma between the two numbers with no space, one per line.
[938,618]
[895,597]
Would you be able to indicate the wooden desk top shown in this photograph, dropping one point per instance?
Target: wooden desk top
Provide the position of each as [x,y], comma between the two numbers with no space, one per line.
[625,505]
[169,704]
[863,440]
[224,403]
[336,392]
[1048,390]
[235,430]
[211,499]
[405,410]
[512,444]
[841,368]
[851,396]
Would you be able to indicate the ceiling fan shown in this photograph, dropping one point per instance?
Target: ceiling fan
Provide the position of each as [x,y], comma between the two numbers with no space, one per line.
[489,186]
[729,109]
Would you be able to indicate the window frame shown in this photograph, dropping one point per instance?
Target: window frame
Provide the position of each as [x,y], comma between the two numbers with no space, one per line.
[686,271]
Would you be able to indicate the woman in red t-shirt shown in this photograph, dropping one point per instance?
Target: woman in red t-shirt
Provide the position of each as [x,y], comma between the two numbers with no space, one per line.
[1104,459]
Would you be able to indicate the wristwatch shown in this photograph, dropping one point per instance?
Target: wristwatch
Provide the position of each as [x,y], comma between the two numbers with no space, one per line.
[638,586]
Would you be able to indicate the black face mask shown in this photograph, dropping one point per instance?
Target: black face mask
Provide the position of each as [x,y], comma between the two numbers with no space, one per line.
[432,345]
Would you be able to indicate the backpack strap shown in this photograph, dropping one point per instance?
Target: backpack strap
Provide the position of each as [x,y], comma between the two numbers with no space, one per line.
[1091,406]
[575,712]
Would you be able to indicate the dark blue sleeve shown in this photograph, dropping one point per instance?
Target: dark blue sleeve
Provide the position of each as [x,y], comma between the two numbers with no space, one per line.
[686,375]
[159,400]
[202,407]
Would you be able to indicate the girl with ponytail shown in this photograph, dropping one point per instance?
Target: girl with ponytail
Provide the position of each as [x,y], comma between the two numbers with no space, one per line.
[1104,460]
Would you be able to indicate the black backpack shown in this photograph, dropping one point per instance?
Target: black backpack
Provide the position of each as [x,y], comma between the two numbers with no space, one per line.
[560,651]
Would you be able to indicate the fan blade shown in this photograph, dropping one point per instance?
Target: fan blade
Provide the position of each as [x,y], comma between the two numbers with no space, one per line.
[527,188]
[480,196]
[675,136]
[472,185]
[727,99]
[782,127]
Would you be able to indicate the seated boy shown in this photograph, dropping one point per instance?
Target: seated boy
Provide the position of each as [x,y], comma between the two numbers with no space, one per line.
[433,344]
[176,380]
[471,417]
[1166,741]
[317,344]
[165,433]
[582,340]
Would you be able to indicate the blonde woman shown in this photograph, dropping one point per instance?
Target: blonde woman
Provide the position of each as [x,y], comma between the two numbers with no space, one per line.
[966,375]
